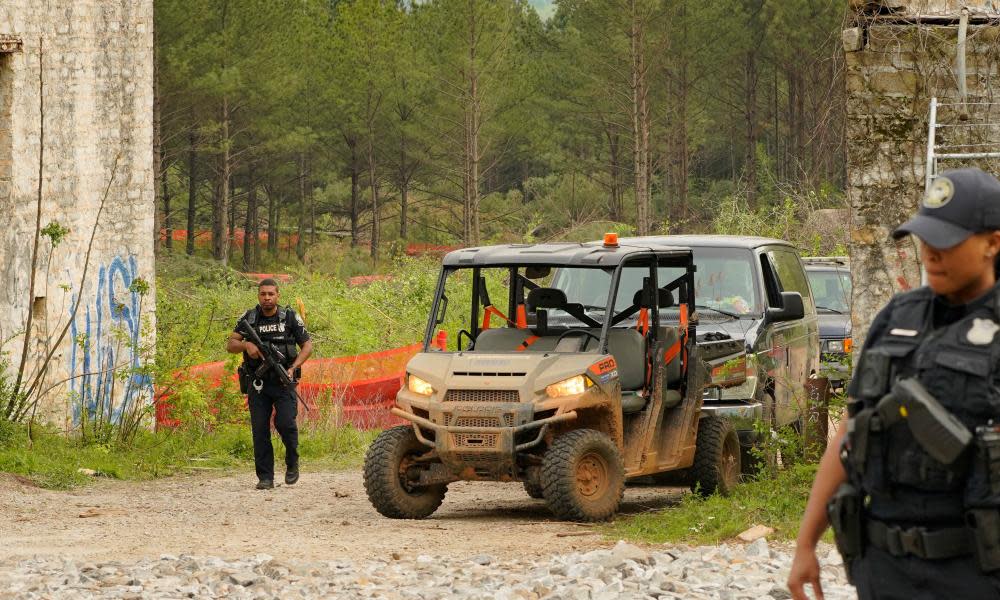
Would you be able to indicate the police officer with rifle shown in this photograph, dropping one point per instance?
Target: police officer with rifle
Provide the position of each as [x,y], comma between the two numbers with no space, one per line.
[269,336]
[911,485]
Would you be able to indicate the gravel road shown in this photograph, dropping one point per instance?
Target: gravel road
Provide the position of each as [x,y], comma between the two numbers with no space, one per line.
[210,536]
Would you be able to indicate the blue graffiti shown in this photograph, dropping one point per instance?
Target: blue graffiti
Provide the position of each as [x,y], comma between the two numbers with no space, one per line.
[111,332]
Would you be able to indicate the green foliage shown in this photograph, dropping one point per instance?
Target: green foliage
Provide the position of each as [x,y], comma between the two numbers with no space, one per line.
[53,460]
[778,503]
[55,232]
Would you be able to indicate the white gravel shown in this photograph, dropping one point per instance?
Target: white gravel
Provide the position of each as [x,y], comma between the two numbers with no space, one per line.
[729,572]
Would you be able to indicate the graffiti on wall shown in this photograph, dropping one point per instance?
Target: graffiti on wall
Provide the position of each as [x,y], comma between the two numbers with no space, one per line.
[106,359]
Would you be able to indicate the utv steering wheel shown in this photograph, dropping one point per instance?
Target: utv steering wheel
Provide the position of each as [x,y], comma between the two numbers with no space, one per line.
[578,332]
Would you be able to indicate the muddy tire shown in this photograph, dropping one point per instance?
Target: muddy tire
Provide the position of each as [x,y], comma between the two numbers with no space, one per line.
[583,476]
[534,489]
[716,459]
[386,465]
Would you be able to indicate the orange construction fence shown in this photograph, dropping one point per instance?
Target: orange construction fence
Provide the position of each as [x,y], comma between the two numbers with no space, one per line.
[360,389]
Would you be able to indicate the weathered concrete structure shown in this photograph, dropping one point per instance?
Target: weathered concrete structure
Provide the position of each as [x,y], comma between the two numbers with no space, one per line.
[95,58]
[900,54]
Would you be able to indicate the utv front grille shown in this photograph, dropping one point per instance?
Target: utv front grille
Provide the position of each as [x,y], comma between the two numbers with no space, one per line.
[467,457]
[465,420]
[476,422]
[482,396]
[476,440]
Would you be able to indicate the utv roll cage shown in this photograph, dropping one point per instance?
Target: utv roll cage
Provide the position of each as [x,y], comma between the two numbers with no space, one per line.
[593,255]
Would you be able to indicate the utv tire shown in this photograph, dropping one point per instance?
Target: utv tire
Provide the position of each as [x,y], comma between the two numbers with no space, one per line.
[583,476]
[534,489]
[716,458]
[386,463]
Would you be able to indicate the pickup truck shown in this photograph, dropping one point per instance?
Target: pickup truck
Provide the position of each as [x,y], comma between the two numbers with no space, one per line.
[740,285]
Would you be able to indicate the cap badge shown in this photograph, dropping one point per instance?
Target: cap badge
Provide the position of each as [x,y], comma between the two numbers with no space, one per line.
[941,192]
[982,331]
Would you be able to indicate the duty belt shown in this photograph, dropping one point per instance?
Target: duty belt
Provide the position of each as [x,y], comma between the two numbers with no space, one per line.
[932,544]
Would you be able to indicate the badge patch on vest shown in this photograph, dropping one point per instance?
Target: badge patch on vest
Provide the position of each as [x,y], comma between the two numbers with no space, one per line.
[982,332]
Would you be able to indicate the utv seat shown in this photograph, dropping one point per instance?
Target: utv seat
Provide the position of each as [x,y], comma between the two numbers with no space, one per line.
[633,401]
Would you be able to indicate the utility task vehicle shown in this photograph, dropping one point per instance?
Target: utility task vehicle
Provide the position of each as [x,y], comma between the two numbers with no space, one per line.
[569,395]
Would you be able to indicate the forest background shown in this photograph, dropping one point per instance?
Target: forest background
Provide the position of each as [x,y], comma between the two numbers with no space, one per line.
[326,138]
[337,132]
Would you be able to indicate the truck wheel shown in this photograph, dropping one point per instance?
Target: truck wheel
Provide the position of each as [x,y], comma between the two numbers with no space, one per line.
[388,476]
[583,476]
[716,458]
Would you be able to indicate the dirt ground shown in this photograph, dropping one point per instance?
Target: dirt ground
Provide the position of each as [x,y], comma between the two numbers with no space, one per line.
[325,516]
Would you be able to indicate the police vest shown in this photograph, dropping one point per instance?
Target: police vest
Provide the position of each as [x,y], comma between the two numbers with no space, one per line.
[281,337]
[956,364]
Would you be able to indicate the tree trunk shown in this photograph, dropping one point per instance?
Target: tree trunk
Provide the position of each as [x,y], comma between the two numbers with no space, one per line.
[640,125]
[404,186]
[272,222]
[373,184]
[355,166]
[473,116]
[614,173]
[311,198]
[750,114]
[250,224]
[192,191]
[232,209]
[220,210]
[158,175]
[300,249]
[167,225]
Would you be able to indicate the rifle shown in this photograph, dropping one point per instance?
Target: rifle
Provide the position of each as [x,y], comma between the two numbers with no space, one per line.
[938,431]
[273,360]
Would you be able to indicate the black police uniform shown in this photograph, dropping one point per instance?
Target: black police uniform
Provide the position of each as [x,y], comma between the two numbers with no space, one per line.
[286,331]
[910,526]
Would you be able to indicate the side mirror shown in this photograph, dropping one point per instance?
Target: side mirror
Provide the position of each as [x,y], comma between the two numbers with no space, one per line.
[791,309]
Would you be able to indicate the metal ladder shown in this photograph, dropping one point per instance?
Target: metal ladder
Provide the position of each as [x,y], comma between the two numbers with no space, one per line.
[956,150]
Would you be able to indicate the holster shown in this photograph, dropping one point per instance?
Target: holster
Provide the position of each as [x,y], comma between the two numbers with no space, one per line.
[846,513]
[984,527]
[244,378]
[982,514]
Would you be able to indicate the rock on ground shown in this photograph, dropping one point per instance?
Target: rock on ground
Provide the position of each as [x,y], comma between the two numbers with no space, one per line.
[625,571]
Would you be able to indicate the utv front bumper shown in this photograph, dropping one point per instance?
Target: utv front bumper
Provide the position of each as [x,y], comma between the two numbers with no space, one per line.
[479,440]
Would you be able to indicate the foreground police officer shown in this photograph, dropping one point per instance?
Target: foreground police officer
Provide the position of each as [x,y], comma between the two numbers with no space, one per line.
[912,484]
[280,327]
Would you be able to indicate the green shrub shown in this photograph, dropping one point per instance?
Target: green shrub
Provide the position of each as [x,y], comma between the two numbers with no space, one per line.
[777,502]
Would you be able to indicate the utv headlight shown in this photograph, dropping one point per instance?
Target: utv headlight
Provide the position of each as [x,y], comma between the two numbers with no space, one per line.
[418,386]
[568,387]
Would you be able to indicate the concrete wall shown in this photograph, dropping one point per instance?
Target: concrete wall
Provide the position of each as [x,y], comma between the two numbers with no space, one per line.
[96,60]
[894,67]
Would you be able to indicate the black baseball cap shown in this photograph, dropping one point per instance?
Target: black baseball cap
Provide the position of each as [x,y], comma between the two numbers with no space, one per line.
[959,203]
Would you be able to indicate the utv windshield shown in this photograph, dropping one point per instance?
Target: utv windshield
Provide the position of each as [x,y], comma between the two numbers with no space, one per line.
[724,283]
[538,307]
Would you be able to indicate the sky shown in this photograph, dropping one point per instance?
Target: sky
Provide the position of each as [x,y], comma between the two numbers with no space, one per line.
[545,8]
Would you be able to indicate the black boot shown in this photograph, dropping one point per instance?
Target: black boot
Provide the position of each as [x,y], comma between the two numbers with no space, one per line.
[292,475]
[265,484]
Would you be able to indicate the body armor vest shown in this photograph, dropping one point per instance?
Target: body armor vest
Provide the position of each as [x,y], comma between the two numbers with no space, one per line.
[282,339]
[955,363]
